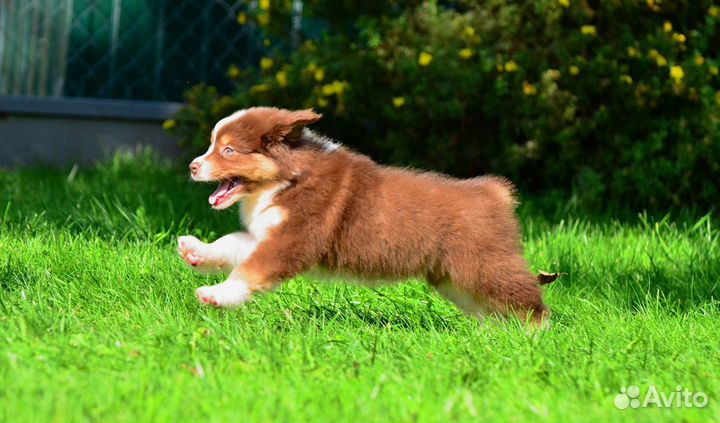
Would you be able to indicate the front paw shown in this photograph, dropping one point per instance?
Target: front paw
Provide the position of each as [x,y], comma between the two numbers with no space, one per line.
[228,294]
[189,249]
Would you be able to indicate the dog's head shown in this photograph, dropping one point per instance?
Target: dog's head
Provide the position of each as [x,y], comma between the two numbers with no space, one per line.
[244,148]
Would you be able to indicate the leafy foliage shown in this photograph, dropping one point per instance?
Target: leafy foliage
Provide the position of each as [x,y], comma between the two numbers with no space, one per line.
[615,101]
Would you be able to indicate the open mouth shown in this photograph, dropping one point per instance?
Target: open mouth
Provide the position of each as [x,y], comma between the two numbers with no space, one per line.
[225,191]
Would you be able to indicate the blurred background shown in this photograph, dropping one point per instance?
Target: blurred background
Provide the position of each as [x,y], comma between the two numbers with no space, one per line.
[612,103]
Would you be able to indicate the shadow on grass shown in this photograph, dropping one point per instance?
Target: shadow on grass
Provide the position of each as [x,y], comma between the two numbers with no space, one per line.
[381,317]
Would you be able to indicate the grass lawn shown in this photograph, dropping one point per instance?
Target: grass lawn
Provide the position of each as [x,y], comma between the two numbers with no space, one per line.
[98,321]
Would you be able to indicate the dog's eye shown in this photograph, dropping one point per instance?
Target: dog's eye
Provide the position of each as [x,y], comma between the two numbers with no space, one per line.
[227,151]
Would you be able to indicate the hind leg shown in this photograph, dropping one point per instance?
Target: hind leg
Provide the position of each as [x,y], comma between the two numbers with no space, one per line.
[516,291]
[506,287]
[467,303]
[479,306]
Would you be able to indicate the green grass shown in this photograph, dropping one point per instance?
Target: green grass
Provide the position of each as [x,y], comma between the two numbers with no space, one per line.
[98,321]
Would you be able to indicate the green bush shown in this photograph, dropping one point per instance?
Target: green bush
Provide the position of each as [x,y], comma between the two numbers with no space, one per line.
[614,101]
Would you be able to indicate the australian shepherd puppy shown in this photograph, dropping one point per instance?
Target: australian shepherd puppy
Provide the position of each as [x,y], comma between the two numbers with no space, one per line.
[309,204]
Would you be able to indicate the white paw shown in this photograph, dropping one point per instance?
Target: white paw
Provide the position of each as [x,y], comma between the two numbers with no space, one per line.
[229,294]
[188,247]
[197,254]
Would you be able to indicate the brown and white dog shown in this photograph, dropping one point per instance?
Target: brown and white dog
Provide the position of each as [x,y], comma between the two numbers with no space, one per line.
[311,204]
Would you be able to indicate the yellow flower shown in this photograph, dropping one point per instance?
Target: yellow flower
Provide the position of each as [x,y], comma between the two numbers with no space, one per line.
[465,53]
[310,68]
[499,67]
[588,30]
[714,11]
[632,51]
[680,38]
[398,102]
[322,102]
[717,97]
[552,74]
[319,74]
[259,88]
[266,42]
[335,87]
[699,60]
[661,61]
[327,90]
[169,124]
[309,45]
[677,73]
[529,89]
[667,26]
[281,78]
[233,72]
[713,70]
[339,86]
[266,63]
[626,79]
[574,70]
[469,31]
[242,18]
[263,19]
[264,4]
[511,66]
[425,58]
[564,3]
[653,54]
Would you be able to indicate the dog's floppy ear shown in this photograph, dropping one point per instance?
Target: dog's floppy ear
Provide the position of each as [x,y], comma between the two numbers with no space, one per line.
[289,125]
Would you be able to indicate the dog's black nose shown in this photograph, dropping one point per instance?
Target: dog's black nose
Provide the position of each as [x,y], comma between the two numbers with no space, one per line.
[194,167]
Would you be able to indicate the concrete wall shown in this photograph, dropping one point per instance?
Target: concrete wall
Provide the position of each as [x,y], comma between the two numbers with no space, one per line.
[38,131]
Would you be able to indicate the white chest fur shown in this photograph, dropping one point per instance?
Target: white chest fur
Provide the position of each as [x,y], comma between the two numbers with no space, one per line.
[259,214]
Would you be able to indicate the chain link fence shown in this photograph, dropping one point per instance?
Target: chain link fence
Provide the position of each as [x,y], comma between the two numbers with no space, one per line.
[121,49]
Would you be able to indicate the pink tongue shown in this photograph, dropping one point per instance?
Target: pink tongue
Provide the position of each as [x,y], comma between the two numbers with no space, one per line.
[219,192]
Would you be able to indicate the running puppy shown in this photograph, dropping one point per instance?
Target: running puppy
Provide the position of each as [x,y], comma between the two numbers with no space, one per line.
[310,204]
